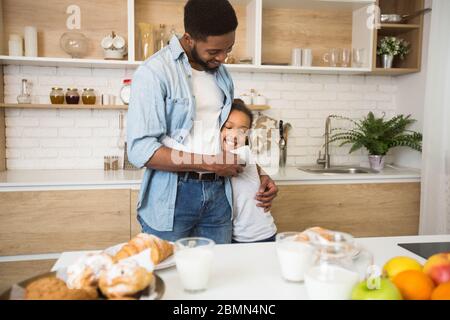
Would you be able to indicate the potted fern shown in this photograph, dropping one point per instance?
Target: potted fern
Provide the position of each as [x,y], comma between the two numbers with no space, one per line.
[389,48]
[378,136]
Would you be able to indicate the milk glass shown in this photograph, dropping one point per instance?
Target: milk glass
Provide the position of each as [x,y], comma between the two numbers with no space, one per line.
[194,258]
[294,256]
[335,270]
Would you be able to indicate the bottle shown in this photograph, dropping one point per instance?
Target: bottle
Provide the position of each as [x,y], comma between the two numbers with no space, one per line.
[161,38]
[24,97]
[173,32]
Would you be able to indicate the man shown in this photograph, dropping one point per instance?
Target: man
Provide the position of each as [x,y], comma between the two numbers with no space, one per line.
[184,93]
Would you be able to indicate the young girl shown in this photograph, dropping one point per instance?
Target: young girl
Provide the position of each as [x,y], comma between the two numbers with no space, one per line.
[250,223]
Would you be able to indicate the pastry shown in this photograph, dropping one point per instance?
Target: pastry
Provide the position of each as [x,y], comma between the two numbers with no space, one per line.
[160,249]
[305,236]
[124,279]
[86,271]
[52,288]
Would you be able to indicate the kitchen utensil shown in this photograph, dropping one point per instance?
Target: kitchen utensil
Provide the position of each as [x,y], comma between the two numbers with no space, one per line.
[397,18]
[282,145]
[296,57]
[75,44]
[114,47]
[307,57]
[121,140]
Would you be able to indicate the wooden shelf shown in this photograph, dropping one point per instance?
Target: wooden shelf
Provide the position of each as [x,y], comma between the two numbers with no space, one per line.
[394,71]
[255,107]
[63,106]
[398,26]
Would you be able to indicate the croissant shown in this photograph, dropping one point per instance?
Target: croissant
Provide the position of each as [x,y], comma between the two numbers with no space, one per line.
[160,249]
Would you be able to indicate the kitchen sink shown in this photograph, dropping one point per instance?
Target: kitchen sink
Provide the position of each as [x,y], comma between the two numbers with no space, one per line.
[338,170]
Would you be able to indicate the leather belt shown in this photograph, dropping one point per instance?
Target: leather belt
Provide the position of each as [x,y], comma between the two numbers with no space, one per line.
[207,176]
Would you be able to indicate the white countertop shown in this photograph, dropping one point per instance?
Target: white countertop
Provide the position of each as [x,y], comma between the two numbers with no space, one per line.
[16,180]
[251,271]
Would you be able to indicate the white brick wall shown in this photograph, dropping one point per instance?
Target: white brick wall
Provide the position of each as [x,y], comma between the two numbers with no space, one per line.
[78,139]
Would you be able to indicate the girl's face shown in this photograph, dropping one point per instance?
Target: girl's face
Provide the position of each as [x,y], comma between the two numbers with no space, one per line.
[235,131]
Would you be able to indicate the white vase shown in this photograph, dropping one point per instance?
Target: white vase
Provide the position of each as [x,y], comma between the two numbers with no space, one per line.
[377,162]
[387,61]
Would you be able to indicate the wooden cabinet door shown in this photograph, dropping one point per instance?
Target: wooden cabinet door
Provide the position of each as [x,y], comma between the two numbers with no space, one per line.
[364,210]
[135,225]
[57,221]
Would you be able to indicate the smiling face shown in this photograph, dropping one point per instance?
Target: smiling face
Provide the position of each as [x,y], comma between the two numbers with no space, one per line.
[211,53]
[235,131]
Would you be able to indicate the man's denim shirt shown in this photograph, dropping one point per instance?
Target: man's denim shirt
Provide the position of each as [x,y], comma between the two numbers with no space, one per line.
[162,104]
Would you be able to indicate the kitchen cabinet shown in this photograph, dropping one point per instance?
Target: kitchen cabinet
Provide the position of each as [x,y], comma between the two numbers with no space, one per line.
[267,32]
[135,225]
[364,210]
[412,32]
[35,222]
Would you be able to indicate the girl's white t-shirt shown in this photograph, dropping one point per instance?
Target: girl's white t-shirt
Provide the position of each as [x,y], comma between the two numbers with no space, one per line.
[250,222]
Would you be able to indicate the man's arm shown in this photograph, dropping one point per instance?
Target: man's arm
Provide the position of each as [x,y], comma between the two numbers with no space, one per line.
[267,192]
[147,123]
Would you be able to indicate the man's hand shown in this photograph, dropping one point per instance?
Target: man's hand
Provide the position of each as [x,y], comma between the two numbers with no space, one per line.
[226,165]
[266,193]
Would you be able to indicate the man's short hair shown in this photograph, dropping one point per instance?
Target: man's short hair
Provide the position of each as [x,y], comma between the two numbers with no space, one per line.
[204,18]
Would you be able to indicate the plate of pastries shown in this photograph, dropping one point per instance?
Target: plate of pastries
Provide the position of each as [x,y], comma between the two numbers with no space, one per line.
[122,272]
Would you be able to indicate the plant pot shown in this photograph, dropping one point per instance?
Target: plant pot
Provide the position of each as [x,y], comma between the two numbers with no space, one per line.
[377,162]
[387,61]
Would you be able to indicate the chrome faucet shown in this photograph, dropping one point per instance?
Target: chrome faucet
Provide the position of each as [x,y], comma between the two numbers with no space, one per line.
[325,160]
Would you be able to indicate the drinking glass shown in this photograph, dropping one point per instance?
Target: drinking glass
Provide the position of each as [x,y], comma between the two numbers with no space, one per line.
[358,57]
[294,256]
[307,58]
[296,60]
[332,57]
[193,258]
[345,57]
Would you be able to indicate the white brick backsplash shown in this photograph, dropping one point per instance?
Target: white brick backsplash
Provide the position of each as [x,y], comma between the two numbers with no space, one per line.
[40,132]
[78,139]
[75,132]
[91,123]
[17,122]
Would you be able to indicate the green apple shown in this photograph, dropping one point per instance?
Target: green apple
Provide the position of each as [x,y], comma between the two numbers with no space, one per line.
[386,291]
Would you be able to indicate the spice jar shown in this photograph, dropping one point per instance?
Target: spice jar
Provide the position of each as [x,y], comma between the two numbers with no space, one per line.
[115,163]
[88,96]
[57,95]
[107,163]
[72,96]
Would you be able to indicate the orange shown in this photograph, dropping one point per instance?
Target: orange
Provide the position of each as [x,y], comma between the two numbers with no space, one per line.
[414,285]
[442,292]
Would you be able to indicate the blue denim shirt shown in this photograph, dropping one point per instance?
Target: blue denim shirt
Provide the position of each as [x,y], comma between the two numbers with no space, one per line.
[162,104]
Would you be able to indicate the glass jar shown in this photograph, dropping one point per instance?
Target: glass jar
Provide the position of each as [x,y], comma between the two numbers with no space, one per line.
[339,264]
[125,92]
[72,96]
[88,96]
[24,97]
[57,95]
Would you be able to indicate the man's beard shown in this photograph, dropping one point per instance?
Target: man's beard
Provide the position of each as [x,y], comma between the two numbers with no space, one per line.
[198,60]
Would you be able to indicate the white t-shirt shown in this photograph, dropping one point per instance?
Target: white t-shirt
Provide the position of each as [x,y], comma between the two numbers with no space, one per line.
[250,223]
[204,137]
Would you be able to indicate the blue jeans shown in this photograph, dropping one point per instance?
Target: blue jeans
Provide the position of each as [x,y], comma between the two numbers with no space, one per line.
[201,210]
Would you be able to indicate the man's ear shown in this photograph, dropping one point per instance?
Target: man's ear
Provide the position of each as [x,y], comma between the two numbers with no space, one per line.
[187,37]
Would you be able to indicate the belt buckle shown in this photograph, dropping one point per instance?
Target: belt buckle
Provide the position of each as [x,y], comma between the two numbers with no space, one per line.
[200,176]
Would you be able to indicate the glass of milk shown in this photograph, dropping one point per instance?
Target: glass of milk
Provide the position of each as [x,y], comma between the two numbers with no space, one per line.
[194,257]
[334,272]
[294,256]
